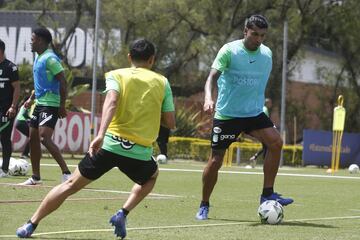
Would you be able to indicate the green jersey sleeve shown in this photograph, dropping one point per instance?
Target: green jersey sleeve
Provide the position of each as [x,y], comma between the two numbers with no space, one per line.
[54,66]
[111,84]
[223,59]
[168,102]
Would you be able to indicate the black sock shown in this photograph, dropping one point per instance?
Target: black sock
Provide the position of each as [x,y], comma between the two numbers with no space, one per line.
[34,225]
[126,212]
[66,172]
[204,204]
[267,191]
[35,177]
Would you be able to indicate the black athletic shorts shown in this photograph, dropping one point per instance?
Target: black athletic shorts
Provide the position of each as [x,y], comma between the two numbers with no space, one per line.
[225,132]
[44,116]
[137,170]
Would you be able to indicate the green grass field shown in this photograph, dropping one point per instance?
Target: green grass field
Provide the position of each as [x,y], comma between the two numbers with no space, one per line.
[326,206]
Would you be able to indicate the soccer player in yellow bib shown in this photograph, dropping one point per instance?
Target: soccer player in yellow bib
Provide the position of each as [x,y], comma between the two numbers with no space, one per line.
[137,101]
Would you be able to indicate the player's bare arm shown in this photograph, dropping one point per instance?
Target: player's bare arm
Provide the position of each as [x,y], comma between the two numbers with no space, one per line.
[109,108]
[63,93]
[168,120]
[28,102]
[208,101]
[11,112]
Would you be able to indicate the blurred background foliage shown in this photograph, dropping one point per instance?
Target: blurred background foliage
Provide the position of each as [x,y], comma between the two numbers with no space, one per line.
[189,33]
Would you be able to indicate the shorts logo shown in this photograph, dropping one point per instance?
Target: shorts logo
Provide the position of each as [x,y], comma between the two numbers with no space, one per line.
[216,131]
[124,143]
[231,137]
[46,119]
[4,119]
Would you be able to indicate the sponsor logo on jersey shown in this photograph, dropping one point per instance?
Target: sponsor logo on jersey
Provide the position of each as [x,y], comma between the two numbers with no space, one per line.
[124,143]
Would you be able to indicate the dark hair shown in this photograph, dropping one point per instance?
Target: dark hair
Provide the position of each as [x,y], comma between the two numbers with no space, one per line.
[256,20]
[43,33]
[2,46]
[141,50]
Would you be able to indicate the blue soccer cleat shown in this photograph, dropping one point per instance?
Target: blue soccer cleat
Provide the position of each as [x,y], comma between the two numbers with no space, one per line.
[25,231]
[277,197]
[119,221]
[203,212]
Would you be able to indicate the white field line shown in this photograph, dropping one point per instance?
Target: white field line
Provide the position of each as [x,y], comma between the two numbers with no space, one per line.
[183,226]
[260,173]
[238,172]
[94,190]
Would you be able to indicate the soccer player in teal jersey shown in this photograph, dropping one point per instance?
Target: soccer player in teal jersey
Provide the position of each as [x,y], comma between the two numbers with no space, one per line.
[241,69]
[50,96]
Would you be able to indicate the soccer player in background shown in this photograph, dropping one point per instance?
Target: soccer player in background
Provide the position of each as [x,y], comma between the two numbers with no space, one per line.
[9,96]
[22,122]
[50,95]
[241,69]
[162,140]
[137,101]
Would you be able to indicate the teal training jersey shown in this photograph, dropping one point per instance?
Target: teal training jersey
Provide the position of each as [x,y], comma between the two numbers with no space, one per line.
[242,83]
[52,68]
[127,148]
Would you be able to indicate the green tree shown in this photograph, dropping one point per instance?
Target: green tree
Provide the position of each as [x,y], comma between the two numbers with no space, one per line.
[189,33]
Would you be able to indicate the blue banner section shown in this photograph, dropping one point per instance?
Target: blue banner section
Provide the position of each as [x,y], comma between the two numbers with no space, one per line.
[318,148]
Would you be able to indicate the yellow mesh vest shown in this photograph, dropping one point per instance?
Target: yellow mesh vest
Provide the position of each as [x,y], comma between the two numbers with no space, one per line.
[137,116]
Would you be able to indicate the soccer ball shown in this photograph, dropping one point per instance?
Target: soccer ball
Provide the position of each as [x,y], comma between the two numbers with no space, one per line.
[161,158]
[18,167]
[271,212]
[353,168]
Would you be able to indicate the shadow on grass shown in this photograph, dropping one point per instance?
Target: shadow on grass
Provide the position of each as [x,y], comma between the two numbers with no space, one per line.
[300,224]
[290,223]
[307,224]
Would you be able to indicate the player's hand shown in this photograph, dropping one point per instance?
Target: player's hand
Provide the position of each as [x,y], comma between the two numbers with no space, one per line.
[95,145]
[209,106]
[28,103]
[62,112]
[11,112]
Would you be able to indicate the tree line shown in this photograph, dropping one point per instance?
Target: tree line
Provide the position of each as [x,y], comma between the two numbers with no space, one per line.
[189,33]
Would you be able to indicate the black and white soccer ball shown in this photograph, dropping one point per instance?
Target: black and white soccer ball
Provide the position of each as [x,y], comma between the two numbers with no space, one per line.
[161,158]
[271,212]
[354,168]
[18,167]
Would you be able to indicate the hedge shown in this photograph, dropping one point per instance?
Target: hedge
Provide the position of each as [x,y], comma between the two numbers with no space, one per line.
[199,149]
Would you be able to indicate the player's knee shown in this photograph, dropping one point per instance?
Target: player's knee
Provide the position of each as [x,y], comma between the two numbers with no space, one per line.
[71,187]
[45,139]
[276,145]
[215,164]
